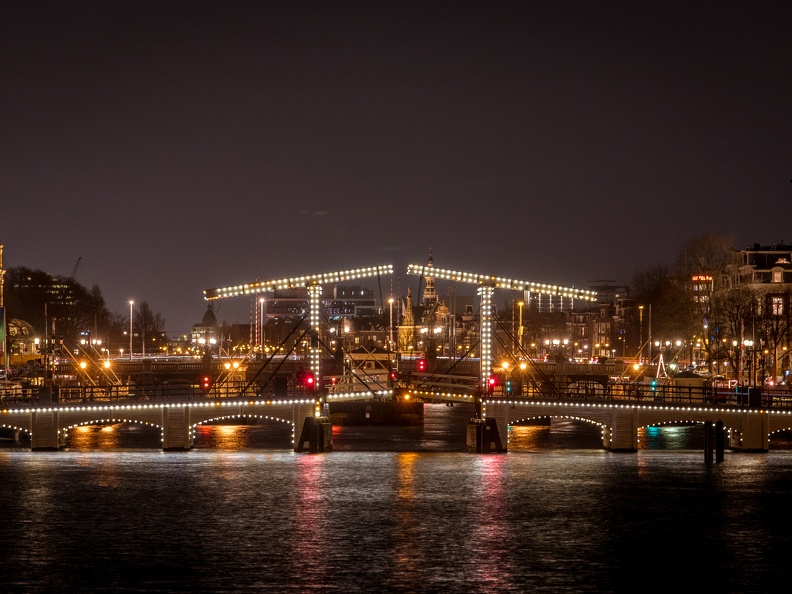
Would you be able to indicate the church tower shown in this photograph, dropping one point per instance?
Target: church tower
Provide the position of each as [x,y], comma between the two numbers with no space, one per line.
[430,292]
[407,326]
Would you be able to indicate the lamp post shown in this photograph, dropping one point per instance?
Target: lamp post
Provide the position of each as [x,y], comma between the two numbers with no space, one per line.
[520,329]
[390,327]
[261,322]
[649,340]
[131,303]
[4,345]
[640,333]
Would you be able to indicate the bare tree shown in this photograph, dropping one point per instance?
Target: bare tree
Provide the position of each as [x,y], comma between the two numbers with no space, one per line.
[707,254]
[149,326]
[774,324]
[699,265]
[657,288]
[736,307]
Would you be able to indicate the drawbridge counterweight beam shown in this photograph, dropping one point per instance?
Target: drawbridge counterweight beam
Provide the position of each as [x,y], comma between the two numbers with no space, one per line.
[295,282]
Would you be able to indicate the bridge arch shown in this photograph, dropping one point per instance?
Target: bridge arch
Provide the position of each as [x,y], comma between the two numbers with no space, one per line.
[524,434]
[241,415]
[729,431]
[559,416]
[18,430]
[780,431]
[63,433]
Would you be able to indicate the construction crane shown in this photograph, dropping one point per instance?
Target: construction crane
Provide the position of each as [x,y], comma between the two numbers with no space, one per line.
[74,270]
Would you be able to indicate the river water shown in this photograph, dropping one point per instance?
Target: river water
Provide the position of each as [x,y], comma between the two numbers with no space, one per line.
[393,509]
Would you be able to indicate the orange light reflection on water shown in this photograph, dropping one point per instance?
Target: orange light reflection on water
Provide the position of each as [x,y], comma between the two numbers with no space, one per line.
[407,532]
[89,437]
[113,436]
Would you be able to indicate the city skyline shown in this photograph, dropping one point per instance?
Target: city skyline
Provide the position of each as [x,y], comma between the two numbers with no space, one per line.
[161,149]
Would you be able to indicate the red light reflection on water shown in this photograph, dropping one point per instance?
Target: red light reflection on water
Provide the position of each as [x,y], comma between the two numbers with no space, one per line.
[311,524]
[225,437]
[492,565]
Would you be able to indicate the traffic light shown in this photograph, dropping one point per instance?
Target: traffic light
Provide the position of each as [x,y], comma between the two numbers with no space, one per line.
[305,379]
[492,381]
[508,386]
[421,364]
[206,382]
[654,385]
[393,377]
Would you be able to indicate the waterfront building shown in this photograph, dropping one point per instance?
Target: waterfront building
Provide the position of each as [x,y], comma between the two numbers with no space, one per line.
[765,271]
[608,322]
[205,335]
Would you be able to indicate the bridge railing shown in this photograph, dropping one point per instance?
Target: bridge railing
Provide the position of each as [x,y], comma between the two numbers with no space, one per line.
[14,396]
[114,394]
[663,393]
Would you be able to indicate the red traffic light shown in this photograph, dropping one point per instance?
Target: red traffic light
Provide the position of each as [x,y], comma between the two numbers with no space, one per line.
[421,364]
[206,382]
[305,379]
[492,381]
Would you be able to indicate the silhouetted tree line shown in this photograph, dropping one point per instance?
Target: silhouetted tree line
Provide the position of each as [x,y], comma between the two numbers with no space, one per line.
[64,308]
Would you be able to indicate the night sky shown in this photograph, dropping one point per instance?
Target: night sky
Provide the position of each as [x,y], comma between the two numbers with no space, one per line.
[180,146]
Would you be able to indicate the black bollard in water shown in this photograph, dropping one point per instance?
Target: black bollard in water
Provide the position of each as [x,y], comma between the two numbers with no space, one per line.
[708,441]
[719,441]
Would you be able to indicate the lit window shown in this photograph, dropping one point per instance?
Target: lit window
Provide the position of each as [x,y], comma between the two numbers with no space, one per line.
[777,305]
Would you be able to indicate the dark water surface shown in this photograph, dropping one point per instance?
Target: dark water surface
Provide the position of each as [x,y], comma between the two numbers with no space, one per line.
[393,509]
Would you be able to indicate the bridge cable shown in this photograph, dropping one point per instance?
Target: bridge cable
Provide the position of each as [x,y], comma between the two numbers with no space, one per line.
[548,381]
[456,362]
[346,352]
[264,365]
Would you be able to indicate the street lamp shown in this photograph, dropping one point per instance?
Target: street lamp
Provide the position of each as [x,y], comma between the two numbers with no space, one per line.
[131,303]
[520,329]
[390,327]
[261,322]
[506,376]
[640,333]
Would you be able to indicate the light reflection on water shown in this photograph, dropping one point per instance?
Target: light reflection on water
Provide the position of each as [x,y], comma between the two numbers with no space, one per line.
[266,434]
[243,513]
[115,436]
